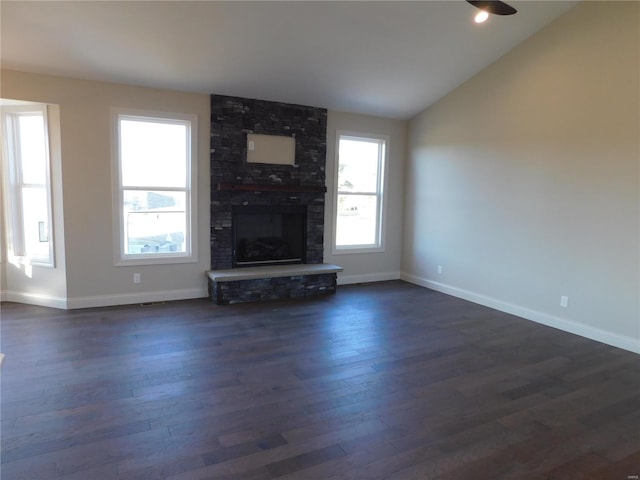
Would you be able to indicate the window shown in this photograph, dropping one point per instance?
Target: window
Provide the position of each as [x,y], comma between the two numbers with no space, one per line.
[27,184]
[359,193]
[155,197]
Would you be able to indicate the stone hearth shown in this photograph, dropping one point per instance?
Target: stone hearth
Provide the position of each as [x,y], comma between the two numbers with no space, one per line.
[256,284]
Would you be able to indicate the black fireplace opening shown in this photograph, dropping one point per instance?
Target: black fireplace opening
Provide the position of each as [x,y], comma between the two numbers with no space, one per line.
[268,235]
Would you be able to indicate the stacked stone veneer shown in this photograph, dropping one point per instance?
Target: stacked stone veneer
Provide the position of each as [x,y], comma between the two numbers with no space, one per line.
[232,118]
[266,289]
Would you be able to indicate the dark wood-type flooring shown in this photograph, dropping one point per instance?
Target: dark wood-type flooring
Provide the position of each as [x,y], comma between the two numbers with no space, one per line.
[381,381]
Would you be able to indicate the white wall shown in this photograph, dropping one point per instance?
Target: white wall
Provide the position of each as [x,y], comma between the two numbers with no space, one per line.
[367,267]
[524,183]
[91,277]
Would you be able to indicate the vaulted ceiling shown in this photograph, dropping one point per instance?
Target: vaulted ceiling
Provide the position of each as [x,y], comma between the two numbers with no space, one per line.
[390,59]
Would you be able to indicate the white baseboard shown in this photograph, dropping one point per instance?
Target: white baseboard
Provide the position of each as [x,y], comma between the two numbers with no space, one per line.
[34,299]
[369,277]
[103,300]
[133,298]
[620,341]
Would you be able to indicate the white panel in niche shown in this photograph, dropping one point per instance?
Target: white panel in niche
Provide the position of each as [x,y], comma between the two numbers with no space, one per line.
[273,149]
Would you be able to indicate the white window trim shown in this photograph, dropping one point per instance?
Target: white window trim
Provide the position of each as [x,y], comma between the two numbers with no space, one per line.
[13,208]
[191,255]
[379,247]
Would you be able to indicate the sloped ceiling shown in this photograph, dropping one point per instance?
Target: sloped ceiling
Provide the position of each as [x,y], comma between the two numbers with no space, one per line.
[390,59]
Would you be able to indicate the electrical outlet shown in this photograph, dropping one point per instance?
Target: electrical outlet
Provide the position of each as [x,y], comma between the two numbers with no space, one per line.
[136,278]
[564,301]
[439,269]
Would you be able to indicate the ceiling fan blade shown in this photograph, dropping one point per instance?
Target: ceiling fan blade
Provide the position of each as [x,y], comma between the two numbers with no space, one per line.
[493,6]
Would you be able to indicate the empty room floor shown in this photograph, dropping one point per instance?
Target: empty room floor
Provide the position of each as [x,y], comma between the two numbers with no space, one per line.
[380,381]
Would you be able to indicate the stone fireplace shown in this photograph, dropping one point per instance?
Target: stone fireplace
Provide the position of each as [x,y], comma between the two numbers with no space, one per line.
[244,193]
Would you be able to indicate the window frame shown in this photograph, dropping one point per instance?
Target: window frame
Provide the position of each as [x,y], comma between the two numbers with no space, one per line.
[383,152]
[14,183]
[121,258]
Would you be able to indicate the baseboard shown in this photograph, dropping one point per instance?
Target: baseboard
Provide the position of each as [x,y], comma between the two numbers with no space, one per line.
[133,298]
[102,300]
[620,341]
[369,277]
[38,299]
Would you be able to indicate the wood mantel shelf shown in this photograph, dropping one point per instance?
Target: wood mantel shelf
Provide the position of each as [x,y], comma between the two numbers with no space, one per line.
[253,187]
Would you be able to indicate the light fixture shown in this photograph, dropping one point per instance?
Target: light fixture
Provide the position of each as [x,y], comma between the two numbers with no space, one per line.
[495,7]
[481,16]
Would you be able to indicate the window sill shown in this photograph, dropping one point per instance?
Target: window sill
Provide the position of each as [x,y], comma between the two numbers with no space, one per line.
[155,260]
[356,250]
[31,262]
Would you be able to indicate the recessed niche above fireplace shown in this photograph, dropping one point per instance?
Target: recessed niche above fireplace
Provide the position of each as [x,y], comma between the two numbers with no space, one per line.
[268,235]
[271,149]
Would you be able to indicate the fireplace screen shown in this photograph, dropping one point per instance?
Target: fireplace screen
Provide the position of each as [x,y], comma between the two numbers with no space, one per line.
[264,235]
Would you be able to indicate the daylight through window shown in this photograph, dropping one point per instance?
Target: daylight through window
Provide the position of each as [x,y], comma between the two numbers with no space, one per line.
[155,191]
[359,195]
[27,184]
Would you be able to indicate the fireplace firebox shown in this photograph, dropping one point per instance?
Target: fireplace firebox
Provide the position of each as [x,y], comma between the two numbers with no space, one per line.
[268,235]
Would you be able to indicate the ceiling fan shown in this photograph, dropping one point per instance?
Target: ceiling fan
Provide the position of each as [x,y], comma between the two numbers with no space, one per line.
[495,7]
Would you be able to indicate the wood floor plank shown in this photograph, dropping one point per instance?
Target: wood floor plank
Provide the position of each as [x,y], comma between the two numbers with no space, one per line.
[305,460]
[380,381]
